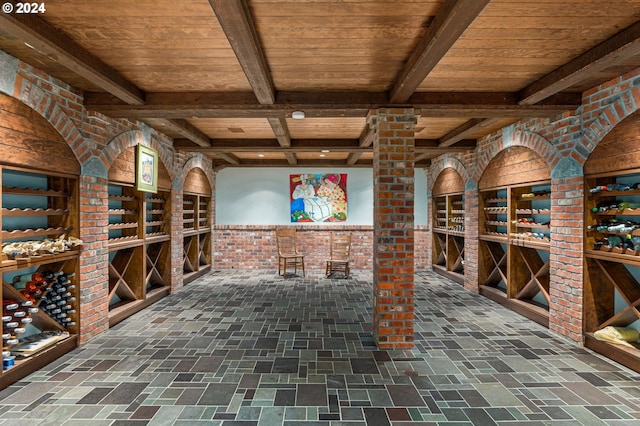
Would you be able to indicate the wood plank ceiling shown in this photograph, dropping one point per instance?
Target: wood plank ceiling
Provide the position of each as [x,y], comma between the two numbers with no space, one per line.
[223,77]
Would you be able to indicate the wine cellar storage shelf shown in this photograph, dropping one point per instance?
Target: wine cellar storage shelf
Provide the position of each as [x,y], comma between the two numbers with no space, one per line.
[197,235]
[514,233]
[40,319]
[612,261]
[139,249]
[448,236]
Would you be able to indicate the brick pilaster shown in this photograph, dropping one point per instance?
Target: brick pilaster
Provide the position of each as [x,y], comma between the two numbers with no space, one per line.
[566,251]
[94,256]
[471,243]
[393,226]
[177,240]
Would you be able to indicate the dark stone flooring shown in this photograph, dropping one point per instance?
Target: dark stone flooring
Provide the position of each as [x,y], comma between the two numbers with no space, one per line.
[251,348]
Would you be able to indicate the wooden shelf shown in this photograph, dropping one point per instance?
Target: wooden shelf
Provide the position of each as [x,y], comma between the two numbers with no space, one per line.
[512,262]
[611,289]
[448,236]
[34,192]
[196,235]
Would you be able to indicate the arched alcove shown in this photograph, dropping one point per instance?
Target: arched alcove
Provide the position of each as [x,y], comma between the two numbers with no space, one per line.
[447,252]
[40,214]
[612,255]
[514,232]
[139,238]
[197,222]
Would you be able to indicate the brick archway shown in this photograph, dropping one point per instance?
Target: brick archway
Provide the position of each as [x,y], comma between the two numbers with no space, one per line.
[622,107]
[43,103]
[130,138]
[443,163]
[531,140]
[197,161]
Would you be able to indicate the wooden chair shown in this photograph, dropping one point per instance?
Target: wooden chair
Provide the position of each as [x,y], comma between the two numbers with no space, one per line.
[339,256]
[287,251]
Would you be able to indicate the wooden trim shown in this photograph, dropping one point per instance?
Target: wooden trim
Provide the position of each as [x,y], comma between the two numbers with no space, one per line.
[628,357]
[127,309]
[534,313]
[454,276]
[192,276]
[27,366]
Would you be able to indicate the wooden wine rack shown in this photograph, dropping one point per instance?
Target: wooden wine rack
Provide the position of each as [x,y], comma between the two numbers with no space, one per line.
[196,236]
[448,236]
[448,225]
[612,287]
[46,208]
[139,249]
[514,248]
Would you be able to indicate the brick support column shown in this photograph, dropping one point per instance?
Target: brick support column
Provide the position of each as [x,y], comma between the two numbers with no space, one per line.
[471,244]
[430,210]
[393,226]
[566,251]
[94,256]
[177,244]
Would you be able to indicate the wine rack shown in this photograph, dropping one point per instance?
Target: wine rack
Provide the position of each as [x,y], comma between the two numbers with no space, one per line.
[514,247]
[139,249]
[612,265]
[448,236]
[39,291]
[196,235]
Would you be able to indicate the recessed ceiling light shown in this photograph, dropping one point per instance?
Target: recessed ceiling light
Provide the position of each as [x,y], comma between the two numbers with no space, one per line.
[325,150]
[322,155]
[260,155]
[297,115]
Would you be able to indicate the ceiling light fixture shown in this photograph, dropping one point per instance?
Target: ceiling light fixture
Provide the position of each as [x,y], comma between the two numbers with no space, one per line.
[325,150]
[297,115]
[260,155]
[322,155]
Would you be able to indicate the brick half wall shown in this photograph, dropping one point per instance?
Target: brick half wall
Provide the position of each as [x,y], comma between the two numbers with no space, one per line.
[254,246]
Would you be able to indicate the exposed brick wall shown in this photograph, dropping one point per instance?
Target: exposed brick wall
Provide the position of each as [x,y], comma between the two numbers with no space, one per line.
[393,226]
[471,242]
[254,246]
[566,256]
[93,271]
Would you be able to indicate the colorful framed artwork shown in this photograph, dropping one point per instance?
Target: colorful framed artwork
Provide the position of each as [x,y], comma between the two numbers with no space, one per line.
[146,169]
[318,197]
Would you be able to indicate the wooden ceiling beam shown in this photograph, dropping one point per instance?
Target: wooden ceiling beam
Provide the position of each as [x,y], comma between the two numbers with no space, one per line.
[229,158]
[453,18]
[235,18]
[186,130]
[46,40]
[311,145]
[464,130]
[621,46]
[281,130]
[237,24]
[300,163]
[214,105]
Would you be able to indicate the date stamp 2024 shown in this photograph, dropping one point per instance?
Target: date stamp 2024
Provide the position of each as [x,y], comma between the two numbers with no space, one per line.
[24,8]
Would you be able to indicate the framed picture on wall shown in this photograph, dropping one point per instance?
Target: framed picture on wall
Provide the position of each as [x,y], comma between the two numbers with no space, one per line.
[318,197]
[146,169]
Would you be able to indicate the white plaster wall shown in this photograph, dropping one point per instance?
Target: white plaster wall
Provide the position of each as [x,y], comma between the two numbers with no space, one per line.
[260,196]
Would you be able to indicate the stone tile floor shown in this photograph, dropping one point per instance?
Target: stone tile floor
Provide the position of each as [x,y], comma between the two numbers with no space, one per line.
[251,348]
